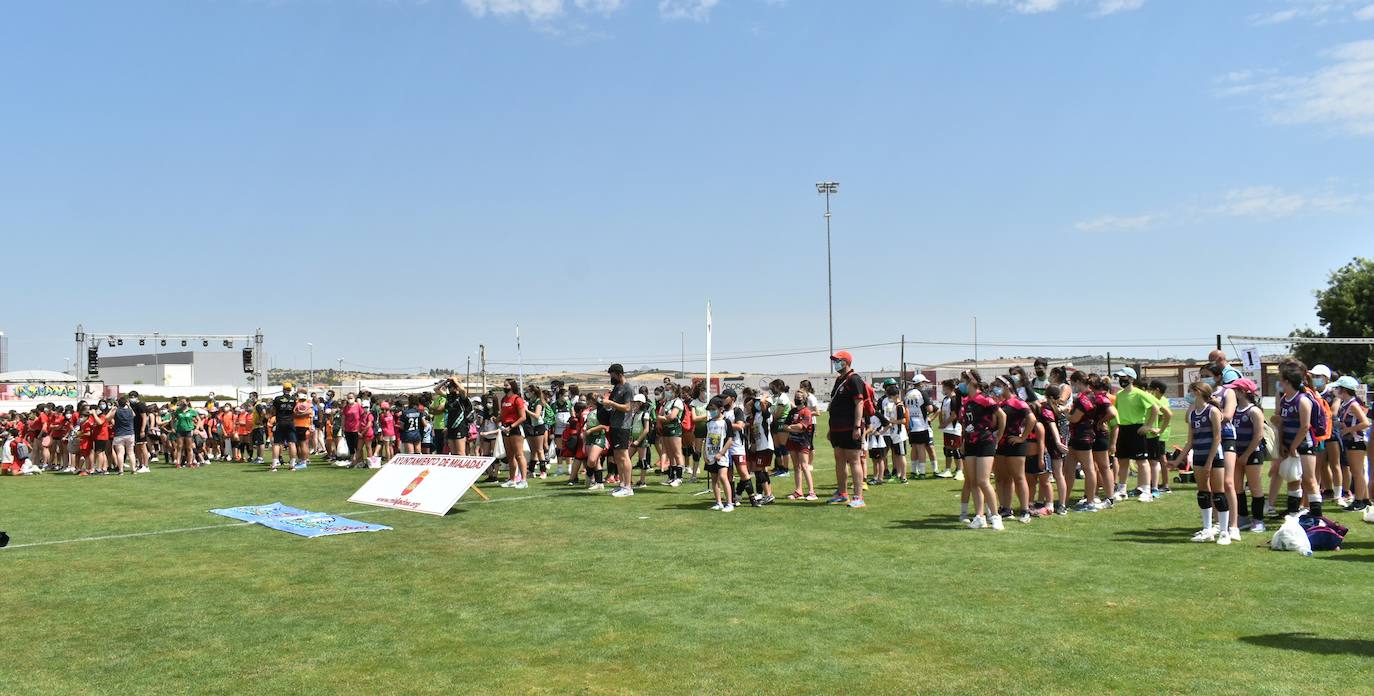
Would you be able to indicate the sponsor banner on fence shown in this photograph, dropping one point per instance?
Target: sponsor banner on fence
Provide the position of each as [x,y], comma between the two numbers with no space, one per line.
[318,524]
[428,483]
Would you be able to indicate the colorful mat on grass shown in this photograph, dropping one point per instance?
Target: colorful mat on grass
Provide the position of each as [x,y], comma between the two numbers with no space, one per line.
[297,521]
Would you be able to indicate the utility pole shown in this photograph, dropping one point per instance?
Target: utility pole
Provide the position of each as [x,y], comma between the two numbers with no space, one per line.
[467,376]
[975,343]
[901,371]
[682,368]
[828,188]
[482,363]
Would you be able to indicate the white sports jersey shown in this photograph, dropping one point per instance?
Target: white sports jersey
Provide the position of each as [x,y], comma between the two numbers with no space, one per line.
[952,426]
[715,437]
[915,411]
[896,426]
[875,441]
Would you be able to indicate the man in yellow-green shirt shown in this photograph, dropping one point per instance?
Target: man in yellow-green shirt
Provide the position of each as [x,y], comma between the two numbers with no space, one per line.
[1137,412]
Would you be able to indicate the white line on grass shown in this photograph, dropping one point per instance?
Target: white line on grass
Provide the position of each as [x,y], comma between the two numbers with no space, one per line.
[159,532]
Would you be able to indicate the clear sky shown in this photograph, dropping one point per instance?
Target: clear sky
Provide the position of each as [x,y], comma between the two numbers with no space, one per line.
[398,181]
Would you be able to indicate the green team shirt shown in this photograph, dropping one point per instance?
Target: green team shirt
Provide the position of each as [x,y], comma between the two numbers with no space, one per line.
[186,421]
[1163,404]
[638,422]
[1132,406]
[436,410]
[673,427]
[781,410]
[597,439]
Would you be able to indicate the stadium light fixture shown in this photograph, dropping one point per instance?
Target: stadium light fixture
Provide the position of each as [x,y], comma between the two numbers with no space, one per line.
[828,189]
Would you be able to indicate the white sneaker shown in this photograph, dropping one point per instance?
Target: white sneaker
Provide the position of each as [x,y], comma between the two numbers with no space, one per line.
[1269,510]
[977,523]
[963,519]
[728,508]
[675,483]
[142,470]
[623,492]
[1234,534]
[996,522]
[521,484]
[959,475]
[717,506]
[508,484]
[1223,539]
[1146,498]
[1209,534]
[1257,527]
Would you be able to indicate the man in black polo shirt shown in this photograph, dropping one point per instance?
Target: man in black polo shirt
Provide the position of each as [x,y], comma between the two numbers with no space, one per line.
[846,429]
[617,405]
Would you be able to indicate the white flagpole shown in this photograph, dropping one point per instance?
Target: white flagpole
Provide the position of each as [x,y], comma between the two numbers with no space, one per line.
[520,360]
[708,350]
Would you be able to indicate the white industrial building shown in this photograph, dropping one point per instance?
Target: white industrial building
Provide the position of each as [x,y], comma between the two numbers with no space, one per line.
[186,368]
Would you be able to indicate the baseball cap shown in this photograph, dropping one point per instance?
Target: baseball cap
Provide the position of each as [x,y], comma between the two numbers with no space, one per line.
[1348,382]
[639,399]
[843,355]
[729,393]
[921,379]
[1246,385]
[1125,372]
[616,369]
[889,382]
[1320,371]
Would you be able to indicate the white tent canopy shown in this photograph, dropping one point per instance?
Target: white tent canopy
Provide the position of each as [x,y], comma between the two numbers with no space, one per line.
[35,376]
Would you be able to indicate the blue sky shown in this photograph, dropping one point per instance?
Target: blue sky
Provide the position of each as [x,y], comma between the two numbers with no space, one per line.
[399,181]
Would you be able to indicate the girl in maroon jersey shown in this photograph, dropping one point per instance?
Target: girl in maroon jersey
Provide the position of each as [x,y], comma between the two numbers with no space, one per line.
[1010,461]
[984,422]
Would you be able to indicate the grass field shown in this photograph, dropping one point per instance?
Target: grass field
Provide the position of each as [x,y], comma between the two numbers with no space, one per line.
[556,590]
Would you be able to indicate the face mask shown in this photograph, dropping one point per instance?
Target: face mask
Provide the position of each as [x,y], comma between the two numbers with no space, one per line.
[712,414]
[998,391]
[1190,398]
[837,365]
[367,402]
[1318,382]
[963,389]
[1016,379]
[1209,381]
[1124,382]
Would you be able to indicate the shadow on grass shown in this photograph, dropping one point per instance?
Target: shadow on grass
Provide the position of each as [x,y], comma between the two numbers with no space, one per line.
[930,522]
[1311,643]
[1164,535]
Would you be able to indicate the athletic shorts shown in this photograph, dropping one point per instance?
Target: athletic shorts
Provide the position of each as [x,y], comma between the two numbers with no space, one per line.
[1200,459]
[1319,447]
[457,433]
[898,448]
[714,467]
[619,439]
[411,437]
[302,434]
[699,429]
[980,449]
[1037,465]
[259,436]
[284,436]
[1306,449]
[1257,458]
[843,439]
[124,441]
[1130,444]
[1155,448]
[876,452]
[1360,446]
[759,460]
[535,430]
[351,439]
[1228,445]
[1101,444]
[1012,450]
[921,437]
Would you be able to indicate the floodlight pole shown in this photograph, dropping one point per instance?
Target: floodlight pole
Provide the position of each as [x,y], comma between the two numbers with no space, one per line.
[826,188]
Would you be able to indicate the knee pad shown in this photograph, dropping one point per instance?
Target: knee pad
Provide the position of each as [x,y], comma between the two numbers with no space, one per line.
[762,478]
[1204,500]
[1219,502]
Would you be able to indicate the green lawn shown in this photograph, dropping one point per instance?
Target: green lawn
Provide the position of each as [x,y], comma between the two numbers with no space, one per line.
[555,590]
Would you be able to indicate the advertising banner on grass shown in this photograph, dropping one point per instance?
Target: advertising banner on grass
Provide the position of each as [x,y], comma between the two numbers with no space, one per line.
[259,513]
[318,524]
[428,483]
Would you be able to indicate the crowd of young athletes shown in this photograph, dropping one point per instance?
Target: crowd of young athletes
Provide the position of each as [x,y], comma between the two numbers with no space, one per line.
[1023,437]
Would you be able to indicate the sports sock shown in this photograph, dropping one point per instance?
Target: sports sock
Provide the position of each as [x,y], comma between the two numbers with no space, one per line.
[1204,503]
[1257,508]
[1241,506]
[1314,505]
[1294,502]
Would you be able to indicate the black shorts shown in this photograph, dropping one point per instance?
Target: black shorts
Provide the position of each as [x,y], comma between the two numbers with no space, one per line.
[1155,448]
[302,434]
[1307,449]
[1348,446]
[259,436]
[1010,450]
[1037,465]
[1101,444]
[535,430]
[284,436]
[411,437]
[351,439]
[921,437]
[980,449]
[898,448]
[457,433]
[1200,459]
[714,467]
[1130,444]
[1256,459]
[843,439]
[953,453]
[619,439]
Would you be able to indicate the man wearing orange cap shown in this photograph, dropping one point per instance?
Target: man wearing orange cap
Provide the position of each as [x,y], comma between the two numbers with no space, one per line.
[846,429]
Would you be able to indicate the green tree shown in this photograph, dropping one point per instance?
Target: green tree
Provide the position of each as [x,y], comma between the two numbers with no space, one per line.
[1346,310]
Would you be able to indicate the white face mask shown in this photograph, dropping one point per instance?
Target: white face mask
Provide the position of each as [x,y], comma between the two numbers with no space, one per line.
[837,365]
